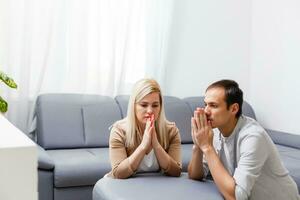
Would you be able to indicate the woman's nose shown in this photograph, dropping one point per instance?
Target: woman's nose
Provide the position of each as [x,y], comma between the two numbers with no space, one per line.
[149,110]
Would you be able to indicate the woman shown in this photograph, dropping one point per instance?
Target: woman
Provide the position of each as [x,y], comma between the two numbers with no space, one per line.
[144,140]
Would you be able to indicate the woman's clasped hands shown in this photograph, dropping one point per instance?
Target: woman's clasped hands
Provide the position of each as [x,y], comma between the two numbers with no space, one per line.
[150,140]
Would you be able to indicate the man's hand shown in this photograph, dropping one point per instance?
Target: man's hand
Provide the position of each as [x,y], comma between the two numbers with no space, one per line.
[202,133]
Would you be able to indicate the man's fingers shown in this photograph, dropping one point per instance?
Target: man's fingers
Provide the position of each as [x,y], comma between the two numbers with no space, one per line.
[201,119]
[193,130]
[205,119]
[197,120]
[193,123]
[193,126]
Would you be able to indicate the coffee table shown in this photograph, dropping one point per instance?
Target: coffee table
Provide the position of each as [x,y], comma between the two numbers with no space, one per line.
[150,186]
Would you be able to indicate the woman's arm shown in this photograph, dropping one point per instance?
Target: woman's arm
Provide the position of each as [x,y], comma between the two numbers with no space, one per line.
[122,165]
[169,161]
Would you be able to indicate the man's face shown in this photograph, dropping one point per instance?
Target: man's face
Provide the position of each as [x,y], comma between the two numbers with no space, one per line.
[149,105]
[216,108]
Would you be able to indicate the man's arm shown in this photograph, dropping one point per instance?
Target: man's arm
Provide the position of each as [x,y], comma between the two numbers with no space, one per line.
[223,180]
[203,136]
[195,168]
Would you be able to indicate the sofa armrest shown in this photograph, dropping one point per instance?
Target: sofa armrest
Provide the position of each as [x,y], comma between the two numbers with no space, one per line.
[283,138]
[44,160]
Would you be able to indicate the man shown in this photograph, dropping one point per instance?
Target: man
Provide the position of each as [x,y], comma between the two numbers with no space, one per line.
[240,155]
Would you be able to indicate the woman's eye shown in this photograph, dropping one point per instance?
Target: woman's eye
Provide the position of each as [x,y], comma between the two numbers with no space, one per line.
[144,105]
[155,106]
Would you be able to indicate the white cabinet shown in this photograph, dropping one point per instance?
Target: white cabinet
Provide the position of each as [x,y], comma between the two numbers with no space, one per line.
[18,164]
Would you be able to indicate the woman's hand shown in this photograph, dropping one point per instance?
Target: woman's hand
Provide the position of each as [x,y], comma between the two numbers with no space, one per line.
[154,141]
[147,137]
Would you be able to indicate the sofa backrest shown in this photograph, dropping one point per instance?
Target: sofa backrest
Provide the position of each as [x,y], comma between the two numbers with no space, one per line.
[179,112]
[285,139]
[122,101]
[75,120]
[81,121]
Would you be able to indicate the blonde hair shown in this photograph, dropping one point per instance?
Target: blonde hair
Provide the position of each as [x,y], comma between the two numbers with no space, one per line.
[142,88]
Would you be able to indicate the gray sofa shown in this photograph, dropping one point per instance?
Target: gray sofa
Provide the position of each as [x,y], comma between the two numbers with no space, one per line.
[73,132]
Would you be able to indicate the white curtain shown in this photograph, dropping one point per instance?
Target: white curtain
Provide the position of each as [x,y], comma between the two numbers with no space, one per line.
[75,46]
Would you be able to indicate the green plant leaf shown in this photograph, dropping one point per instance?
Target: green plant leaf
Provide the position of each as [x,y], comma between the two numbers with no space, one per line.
[7,80]
[3,105]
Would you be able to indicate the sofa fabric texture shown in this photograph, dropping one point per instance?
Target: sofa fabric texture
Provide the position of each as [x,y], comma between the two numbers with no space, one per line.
[73,136]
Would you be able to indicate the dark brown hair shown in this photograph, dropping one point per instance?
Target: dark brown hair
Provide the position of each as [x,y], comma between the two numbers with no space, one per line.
[233,94]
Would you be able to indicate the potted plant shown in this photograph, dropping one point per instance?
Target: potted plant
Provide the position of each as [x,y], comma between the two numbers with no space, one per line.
[11,83]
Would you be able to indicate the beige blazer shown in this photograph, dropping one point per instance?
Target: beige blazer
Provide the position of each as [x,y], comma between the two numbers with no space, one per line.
[119,153]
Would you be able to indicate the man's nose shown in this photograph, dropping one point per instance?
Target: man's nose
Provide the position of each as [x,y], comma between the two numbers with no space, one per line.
[206,110]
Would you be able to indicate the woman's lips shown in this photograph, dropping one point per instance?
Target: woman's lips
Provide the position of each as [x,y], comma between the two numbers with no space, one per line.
[149,116]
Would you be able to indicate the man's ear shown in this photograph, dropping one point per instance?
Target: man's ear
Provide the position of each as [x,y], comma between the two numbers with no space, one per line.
[234,108]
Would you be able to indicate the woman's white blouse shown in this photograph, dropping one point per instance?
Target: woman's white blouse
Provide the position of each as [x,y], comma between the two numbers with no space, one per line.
[149,163]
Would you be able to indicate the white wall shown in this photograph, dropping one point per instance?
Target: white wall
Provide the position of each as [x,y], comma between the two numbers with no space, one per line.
[209,41]
[275,63]
[256,43]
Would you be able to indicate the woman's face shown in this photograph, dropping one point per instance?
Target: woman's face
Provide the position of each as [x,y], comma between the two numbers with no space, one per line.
[149,105]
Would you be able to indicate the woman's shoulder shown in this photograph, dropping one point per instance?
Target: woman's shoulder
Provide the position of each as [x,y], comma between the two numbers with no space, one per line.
[119,127]
[172,128]
[120,124]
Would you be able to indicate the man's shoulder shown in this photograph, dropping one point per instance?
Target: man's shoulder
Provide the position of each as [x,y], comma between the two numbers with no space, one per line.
[250,126]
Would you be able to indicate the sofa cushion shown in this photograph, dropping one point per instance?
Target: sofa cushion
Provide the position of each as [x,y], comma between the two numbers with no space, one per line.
[97,119]
[288,151]
[291,160]
[248,110]
[63,129]
[44,160]
[73,193]
[283,138]
[60,121]
[177,111]
[122,101]
[194,102]
[79,167]
[186,154]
